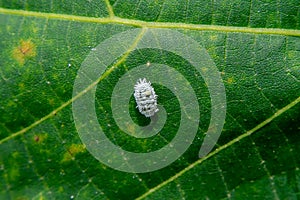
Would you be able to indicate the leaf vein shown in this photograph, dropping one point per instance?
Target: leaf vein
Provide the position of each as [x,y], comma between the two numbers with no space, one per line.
[223,147]
[144,24]
[54,112]
[109,9]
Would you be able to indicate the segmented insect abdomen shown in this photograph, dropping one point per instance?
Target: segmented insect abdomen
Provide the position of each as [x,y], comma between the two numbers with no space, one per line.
[145,97]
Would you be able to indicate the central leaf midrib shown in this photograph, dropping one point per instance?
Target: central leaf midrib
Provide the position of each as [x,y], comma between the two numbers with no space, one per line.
[139,23]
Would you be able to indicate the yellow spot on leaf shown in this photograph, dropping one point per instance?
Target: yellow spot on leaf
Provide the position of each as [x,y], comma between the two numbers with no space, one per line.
[14,173]
[230,80]
[15,154]
[21,86]
[72,151]
[213,37]
[211,49]
[204,69]
[60,189]
[291,54]
[130,128]
[42,197]
[11,104]
[51,102]
[25,50]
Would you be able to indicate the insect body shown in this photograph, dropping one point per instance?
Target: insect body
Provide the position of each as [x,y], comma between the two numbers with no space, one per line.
[145,97]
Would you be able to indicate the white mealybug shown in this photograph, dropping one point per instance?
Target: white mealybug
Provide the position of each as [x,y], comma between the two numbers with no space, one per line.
[145,97]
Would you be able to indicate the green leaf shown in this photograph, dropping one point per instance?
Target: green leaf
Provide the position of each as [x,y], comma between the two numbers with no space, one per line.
[255,46]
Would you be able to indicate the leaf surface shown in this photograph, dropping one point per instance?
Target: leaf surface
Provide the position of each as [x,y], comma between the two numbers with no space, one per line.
[255,46]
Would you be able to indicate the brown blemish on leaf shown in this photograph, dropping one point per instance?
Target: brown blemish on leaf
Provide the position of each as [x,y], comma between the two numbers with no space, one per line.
[72,151]
[39,138]
[36,138]
[25,50]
